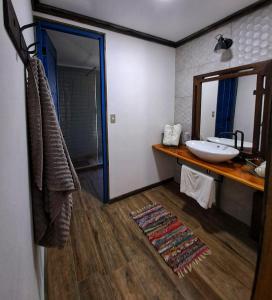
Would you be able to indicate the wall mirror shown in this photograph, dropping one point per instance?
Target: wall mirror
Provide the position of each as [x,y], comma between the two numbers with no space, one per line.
[230,100]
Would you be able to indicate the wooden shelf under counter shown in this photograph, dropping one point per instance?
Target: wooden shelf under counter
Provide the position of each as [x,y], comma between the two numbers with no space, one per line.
[235,171]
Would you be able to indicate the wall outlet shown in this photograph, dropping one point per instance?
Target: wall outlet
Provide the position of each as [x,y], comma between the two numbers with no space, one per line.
[112,118]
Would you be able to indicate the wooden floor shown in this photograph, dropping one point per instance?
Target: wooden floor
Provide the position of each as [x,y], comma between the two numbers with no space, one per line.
[108,257]
[92,182]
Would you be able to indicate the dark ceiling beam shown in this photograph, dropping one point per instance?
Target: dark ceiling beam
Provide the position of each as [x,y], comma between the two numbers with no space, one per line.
[62,13]
[242,12]
[58,12]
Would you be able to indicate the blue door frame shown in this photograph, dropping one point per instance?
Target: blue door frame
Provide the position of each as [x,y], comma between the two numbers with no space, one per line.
[49,59]
[43,25]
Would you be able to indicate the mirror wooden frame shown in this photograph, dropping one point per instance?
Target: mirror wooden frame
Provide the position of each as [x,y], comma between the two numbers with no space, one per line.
[262,288]
[263,70]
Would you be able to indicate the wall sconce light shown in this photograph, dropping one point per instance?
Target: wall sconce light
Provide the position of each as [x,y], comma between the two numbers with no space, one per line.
[222,43]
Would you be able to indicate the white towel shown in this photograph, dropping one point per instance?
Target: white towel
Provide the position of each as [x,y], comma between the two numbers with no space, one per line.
[172,135]
[197,185]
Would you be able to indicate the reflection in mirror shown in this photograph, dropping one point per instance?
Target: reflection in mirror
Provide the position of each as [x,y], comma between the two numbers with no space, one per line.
[226,106]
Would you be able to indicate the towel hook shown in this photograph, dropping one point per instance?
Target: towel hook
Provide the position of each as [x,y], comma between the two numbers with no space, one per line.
[28,26]
[15,31]
[32,51]
[34,24]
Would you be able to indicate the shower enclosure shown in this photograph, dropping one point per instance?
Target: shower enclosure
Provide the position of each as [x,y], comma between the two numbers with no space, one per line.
[80,115]
[80,121]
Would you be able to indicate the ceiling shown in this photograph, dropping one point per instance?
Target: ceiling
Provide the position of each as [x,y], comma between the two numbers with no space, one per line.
[168,19]
[73,50]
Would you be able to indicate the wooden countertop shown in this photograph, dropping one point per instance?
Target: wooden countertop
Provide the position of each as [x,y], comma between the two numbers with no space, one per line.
[234,171]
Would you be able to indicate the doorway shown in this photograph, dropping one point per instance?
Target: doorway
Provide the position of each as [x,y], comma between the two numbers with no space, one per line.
[74,62]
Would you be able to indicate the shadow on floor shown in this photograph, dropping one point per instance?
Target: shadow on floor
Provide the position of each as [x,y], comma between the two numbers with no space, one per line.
[214,220]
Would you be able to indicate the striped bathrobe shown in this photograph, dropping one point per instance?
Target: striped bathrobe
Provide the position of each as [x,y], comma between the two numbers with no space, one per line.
[53,175]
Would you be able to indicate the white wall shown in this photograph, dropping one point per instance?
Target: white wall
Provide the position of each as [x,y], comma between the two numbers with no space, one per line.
[140,91]
[208,109]
[140,80]
[21,263]
[245,106]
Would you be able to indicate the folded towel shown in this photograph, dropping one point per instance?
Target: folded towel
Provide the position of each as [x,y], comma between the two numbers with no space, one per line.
[197,185]
[261,169]
[171,135]
[53,175]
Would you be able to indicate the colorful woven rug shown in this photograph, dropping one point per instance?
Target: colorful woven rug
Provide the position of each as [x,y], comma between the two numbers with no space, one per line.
[174,241]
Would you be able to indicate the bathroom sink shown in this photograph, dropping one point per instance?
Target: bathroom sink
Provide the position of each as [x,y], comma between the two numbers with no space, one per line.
[211,152]
[228,142]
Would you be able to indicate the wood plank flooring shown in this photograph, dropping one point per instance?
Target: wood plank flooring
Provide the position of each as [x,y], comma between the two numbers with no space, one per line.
[108,257]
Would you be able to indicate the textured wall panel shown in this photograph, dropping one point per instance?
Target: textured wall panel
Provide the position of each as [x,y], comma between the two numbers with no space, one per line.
[252,36]
[252,42]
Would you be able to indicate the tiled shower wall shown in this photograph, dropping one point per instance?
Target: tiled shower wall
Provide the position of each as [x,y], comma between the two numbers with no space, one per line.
[252,42]
[80,111]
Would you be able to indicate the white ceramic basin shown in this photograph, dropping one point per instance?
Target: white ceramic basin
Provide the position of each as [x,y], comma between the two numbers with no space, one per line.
[211,152]
[228,142]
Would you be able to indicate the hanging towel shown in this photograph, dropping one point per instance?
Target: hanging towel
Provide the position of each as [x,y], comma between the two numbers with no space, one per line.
[53,175]
[197,185]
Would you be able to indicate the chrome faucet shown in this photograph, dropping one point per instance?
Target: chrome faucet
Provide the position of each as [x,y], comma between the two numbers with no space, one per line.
[235,134]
